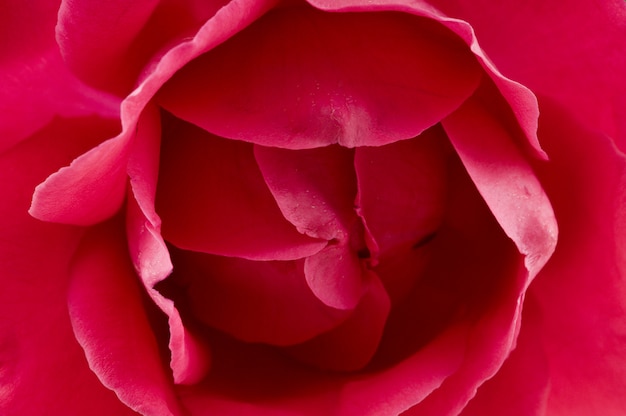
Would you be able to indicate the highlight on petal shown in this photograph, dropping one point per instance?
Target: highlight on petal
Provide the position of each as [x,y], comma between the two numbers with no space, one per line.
[572,55]
[96,181]
[522,101]
[212,198]
[109,321]
[43,369]
[505,180]
[315,190]
[271,85]
[189,356]
[91,189]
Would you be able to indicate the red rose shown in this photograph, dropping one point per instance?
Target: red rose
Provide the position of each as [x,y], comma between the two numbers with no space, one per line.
[342,207]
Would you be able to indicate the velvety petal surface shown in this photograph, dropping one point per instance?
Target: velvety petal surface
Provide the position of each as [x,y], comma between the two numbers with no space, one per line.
[254,301]
[271,84]
[29,60]
[129,37]
[522,385]
[189,358]
[97,181]
[351,345]
[581,292]
[401,200]
[315,190]
[505,180]
[573,54]
[42,368]
[522,101]
[212,198]
[109,321]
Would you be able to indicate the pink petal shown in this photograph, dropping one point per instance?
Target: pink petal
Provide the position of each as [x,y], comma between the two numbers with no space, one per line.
[521,386]
[402,188]
[573,55]
[402,192]
[274,89]
[189,357]
[336,276]
[110,323]
[96,181]
[581,291]
[108,27]
[522,101]
[128,37]
[254,301]
[213,199]
[30,60]
[505,180]
[351,345]
[315,190]
[470,296]
[42,368]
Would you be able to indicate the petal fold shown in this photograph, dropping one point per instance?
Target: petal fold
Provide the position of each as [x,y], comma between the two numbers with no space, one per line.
[274,89]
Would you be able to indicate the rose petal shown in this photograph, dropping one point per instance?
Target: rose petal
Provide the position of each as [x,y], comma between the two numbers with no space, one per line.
[335,275]
[129,37]
[249,383]
[315,190]
[581,291]
[29,60]
[189,358]
[108,27]
[213,199]
[351,345]
[276,90]
[522,101]
[96,181]
[402,189]
[402,194]
[109,321]
[579,48]
[505,180]
[42,368]
[255,301]
[521,386]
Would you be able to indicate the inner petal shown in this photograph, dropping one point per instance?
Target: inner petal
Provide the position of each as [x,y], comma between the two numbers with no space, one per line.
[212,198]
[301,78]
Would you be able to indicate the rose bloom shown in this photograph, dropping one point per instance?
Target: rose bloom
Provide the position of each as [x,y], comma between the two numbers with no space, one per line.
[340,207]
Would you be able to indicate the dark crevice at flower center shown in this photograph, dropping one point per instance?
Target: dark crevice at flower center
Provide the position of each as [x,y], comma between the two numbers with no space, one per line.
[424,240]
[363,253]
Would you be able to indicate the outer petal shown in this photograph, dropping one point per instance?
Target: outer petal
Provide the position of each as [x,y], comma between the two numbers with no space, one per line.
[522,101]
[81,183]
[42,368]
[28,62]
[110,322]
[505,180]
[582,292]
[271,85]
[573,54]
[521,387]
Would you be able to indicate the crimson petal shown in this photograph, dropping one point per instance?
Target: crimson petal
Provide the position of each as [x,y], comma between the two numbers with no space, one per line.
[109,321]
[212,198]
[270,84]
